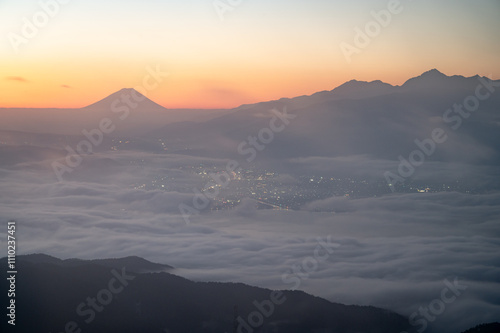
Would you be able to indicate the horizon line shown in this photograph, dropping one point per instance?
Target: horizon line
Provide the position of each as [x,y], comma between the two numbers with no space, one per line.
[243,104]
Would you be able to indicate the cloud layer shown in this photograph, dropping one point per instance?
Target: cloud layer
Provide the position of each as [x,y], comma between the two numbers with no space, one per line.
[395,250]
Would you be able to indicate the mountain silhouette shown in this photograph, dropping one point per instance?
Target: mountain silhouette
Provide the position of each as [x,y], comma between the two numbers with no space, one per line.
[356,118]
[55,293]
[49,291]
[485,328]
[132,114]
[133,96]
[433,81]
[133,263]
[361,118]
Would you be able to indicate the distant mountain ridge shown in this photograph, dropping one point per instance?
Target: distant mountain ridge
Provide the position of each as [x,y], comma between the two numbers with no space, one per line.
[356,118]
[350,89]
[147,116]
[362,118]
[356,89]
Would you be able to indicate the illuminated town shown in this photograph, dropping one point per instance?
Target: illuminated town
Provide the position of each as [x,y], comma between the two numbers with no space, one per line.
[269,192]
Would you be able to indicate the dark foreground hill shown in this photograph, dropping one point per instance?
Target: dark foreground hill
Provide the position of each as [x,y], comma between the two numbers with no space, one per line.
[133,263]
[75,296]
[55,297]
[485,328]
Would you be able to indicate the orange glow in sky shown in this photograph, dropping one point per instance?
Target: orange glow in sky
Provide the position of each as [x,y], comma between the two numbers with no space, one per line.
[259,52]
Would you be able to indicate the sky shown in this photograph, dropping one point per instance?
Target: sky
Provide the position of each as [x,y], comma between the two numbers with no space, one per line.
[82,51]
